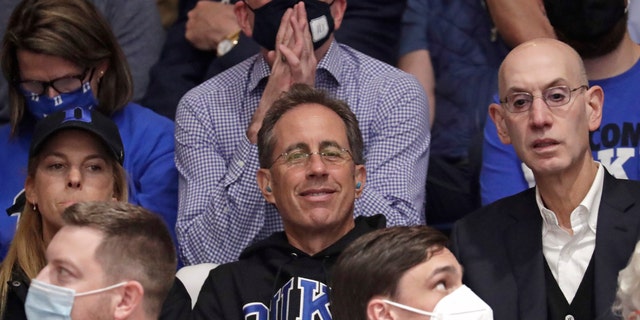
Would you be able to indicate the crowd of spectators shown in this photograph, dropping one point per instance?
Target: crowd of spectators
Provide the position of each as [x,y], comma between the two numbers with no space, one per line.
[227,132]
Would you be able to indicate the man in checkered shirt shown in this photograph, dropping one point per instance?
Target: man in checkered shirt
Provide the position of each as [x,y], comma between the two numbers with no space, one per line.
[221,209]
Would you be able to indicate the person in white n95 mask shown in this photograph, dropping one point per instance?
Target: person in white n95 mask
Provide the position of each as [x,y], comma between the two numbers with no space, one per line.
[461,304]
[402,273]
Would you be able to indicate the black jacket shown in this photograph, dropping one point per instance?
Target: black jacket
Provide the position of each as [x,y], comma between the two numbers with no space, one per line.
[273,273]
[16,295]
[177,305]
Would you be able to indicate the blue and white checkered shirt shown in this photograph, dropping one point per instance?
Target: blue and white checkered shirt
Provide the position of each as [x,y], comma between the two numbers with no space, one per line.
[221,210]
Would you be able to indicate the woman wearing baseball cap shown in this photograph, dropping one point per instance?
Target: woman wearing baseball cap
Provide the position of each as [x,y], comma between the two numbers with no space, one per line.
[62,54]
[75,155]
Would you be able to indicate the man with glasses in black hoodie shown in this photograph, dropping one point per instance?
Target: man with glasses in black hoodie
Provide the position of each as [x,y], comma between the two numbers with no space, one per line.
[312,169]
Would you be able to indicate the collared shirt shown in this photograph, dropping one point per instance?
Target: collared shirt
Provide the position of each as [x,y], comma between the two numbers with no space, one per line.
[568,255]
[221,209]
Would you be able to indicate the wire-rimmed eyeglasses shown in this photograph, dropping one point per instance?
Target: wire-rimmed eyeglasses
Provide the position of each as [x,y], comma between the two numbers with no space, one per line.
[330,155]
[517,102]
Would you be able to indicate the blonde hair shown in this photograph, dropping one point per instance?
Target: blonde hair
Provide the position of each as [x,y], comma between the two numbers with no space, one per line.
[27,250]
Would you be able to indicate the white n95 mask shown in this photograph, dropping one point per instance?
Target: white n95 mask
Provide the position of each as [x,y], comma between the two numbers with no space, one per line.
[461,304]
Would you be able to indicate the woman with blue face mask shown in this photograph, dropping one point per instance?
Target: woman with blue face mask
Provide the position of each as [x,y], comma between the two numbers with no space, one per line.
[62,54]
[75,155]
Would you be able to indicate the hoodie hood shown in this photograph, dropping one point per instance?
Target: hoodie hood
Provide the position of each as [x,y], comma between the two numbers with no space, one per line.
[277,248]
[285,261]
[274,280]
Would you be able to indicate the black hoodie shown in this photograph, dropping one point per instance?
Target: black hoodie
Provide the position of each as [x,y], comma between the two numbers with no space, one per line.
[273,272]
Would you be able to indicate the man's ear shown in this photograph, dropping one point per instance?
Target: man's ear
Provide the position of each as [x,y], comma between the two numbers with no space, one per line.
[263,176]
[595,102]
[496,112]
[130,302]
[242,15]
[360,178]
[378,310]
[338,9]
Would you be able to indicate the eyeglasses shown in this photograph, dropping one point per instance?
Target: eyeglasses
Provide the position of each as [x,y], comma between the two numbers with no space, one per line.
[329,155]
[554,97]
[61,85]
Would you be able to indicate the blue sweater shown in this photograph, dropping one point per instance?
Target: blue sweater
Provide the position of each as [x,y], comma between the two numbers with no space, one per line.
[149,151]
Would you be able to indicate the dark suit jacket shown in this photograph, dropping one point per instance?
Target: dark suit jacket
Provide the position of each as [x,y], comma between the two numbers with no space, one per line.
[500,248]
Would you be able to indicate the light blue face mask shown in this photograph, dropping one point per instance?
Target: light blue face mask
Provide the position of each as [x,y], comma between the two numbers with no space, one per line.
[46,301]
[42,105]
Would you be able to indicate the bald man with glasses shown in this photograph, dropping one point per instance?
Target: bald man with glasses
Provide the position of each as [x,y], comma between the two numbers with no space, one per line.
[554,250]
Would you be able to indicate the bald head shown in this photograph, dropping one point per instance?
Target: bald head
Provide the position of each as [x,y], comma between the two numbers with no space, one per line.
[530,56]
[550,108]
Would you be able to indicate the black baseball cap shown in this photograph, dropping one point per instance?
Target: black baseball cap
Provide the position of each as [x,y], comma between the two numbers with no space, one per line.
[83,119]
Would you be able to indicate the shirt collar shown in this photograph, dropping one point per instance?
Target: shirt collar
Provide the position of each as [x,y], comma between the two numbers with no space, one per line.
[590,203]
[331,62]
[260,70]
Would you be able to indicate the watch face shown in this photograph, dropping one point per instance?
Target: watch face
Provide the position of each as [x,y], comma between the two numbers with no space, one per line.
[224,46]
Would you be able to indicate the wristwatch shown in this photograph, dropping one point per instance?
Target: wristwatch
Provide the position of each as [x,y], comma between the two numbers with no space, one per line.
[228,43]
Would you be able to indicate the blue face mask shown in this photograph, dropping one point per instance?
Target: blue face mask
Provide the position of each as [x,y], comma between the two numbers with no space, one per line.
[50,302]
[42,105]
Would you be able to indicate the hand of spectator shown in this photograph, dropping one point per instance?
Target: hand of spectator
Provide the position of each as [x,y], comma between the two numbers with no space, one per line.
[209,23]
[280,79]
[299,52]
[293,61]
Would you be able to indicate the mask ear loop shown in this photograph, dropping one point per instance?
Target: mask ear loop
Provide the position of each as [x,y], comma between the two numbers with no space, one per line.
[412,309]
[248,6]
[86,293]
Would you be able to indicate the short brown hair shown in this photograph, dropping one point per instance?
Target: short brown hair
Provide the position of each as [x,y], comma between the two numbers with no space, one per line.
[302,94]
[374,263]
[136,246]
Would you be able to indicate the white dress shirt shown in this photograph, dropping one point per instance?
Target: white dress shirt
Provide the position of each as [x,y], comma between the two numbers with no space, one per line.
[569,255]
